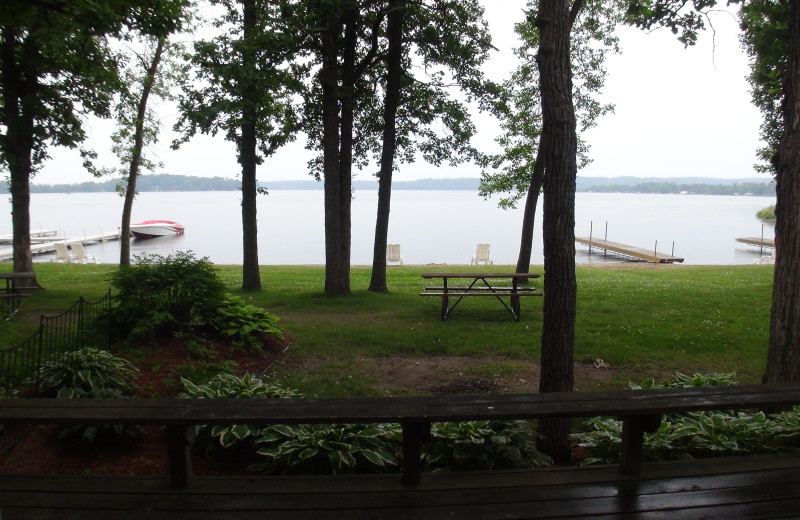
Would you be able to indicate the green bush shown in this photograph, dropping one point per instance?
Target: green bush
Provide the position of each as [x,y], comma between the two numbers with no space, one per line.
[245,324]
[482,445]
[89,373]
[158,293]
[227,386]
[85,373]
[696,434]
[329,448]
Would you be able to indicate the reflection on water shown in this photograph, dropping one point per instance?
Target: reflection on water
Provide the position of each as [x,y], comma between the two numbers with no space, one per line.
[433,227]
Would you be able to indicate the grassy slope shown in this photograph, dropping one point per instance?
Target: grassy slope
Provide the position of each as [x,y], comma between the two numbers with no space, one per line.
[644,321]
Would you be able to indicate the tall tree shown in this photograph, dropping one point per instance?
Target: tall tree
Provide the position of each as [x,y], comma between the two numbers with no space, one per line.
[55,68]
[442,46]
[771,36]
[245,80]
[394,77]
[519,171]
[555,19]
[137,125]
[783,356]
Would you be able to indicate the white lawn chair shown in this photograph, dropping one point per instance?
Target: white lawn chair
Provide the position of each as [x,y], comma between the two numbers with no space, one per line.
[80,254]
[482,255]
[766,259]
[393,253]
[62,253]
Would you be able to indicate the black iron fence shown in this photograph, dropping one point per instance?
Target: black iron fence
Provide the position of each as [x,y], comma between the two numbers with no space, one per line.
[82,325]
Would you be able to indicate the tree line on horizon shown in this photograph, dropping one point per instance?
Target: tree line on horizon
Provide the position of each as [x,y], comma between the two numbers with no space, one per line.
[167,182]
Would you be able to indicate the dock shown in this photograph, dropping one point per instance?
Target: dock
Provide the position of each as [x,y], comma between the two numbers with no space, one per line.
[757,241]
[638,253]
[7,253]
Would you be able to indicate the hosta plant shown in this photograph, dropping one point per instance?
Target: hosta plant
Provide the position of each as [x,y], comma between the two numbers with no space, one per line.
[86,373]
[244,323]
[90,373]
[696,434]
[482,445]
[329,448]
[227,386]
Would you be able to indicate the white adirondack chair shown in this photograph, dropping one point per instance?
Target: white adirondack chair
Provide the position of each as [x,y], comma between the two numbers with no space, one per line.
[62,253]
[393,253]
[80,254]
[482,255]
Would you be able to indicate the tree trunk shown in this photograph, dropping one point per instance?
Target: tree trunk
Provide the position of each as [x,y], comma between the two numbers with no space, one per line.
[526,239]
[559,141]
[783,356]
[393,82]
[19,92]
[251,278]
[136,156]
[337,272]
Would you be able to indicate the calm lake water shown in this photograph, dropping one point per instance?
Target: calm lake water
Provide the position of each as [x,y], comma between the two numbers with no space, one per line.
[440,227]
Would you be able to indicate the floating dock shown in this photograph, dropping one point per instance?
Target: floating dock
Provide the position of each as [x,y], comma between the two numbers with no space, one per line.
[50,246]
[638,253]
[756,241]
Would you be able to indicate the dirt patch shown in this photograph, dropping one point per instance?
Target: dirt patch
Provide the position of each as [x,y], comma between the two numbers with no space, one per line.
[431,375]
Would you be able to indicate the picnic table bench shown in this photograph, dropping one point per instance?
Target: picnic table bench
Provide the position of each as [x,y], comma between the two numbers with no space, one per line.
[11,296]
[483,284]
[749,487]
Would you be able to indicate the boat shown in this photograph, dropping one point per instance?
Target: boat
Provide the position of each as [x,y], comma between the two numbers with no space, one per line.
[156,228]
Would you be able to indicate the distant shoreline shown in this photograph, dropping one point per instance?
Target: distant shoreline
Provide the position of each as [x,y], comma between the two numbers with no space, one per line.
[659,185]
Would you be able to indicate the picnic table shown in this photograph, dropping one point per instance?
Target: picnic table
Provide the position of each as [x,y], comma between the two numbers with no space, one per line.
[9,299]
[482,284]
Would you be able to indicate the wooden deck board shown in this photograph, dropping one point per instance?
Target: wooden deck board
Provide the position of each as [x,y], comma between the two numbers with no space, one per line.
[740,487]
[639,253]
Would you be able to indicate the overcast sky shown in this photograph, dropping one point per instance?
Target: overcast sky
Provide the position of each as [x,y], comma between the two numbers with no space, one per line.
[679,112]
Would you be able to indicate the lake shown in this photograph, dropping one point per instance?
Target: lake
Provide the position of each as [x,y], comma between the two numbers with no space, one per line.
[441,227]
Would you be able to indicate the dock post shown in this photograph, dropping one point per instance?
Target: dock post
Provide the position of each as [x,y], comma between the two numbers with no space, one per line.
[761,246]
[590,236]
[673,249]
[655,249]
[605,237]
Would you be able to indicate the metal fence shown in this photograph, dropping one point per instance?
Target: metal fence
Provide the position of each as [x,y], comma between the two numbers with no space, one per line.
[81,325]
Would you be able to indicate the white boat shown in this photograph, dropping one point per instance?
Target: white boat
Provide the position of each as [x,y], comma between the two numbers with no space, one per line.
[156,228]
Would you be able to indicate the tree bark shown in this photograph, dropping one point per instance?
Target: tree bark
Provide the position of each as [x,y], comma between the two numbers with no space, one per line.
[251,278]
[394,71]
[19,92]
[559,141]
[529,215]
[136,156]
[783,355]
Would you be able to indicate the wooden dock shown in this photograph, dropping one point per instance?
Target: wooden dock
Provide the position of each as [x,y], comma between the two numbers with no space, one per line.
[638,253]
[43,235]
[50,247]
[757,241]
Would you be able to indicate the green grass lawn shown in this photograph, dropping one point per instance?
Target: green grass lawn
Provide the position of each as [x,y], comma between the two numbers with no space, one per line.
[644,321]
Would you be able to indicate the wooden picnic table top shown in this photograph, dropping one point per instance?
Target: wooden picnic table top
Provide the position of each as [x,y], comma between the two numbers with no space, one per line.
[481,275]
[12,276]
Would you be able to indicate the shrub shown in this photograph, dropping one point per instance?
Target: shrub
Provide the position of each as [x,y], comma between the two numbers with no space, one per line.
[85,373]
[227,386]
[329,448]
[159,292]
[696,434]
[482,445]
[245,324]
[89,373]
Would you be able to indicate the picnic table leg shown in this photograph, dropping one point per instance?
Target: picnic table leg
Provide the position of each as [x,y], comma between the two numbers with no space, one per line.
[515,307]
[445,299]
